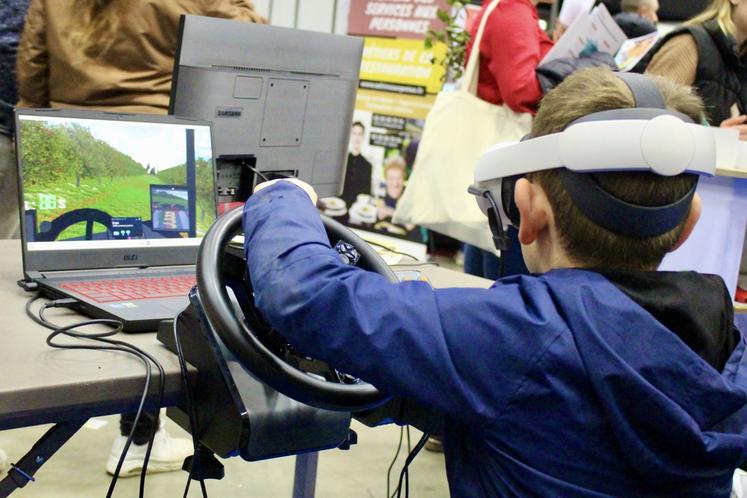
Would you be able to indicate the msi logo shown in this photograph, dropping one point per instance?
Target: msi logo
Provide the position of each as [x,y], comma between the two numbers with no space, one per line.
[130,257]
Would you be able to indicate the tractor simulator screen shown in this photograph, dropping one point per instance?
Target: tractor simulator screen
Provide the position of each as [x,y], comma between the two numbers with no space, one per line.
[123,182]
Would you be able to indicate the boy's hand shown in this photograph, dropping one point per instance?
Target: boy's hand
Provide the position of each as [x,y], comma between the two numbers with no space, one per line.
[305,186]
[738,123]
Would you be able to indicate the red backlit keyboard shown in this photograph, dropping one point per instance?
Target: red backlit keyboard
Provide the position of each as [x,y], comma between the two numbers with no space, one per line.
[129,289]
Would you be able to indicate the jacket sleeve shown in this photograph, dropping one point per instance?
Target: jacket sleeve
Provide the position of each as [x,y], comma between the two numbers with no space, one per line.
[515,55]
[32,65]
[455,349]
[554,72]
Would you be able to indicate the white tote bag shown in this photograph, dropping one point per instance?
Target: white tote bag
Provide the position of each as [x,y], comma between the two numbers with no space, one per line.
[458,129]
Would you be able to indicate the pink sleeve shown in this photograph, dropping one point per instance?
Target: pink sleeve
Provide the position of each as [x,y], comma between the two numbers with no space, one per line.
[514,45]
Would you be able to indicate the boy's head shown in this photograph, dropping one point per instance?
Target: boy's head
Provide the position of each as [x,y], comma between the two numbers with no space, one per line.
[553,231]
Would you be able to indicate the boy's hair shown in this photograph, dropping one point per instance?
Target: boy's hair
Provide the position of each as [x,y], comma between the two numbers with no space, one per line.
[586,243]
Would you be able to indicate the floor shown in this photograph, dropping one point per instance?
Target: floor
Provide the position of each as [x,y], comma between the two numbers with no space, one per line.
[77,470]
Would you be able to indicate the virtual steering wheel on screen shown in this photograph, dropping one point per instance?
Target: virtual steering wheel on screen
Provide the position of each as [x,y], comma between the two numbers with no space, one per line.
[258,347]
[51,230]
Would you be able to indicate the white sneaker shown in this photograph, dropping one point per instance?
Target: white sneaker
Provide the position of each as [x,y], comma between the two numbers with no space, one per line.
[4,463]
[167,455]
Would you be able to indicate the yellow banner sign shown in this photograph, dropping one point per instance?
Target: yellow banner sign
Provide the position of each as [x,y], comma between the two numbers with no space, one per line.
[401,66]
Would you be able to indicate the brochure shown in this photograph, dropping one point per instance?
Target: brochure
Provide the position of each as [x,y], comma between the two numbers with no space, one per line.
[592,31]
[634,49]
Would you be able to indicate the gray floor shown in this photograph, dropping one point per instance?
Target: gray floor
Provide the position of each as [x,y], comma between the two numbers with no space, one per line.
[77,470]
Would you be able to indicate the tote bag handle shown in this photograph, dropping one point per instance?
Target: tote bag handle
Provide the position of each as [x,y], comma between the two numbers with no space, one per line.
[469,83]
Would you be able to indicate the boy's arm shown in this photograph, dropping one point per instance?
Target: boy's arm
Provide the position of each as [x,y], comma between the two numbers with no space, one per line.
[449,348]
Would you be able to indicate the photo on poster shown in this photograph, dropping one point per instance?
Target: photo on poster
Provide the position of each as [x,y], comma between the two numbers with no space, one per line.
[380,156]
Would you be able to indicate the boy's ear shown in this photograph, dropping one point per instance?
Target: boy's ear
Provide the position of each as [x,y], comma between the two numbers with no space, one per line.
[533,208]
[692,220]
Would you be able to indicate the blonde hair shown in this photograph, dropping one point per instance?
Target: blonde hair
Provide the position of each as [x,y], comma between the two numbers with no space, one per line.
[719,10]
[395,162]
[97,19]
[587,243]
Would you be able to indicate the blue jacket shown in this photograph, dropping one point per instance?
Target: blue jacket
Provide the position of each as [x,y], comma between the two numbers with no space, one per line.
[554,385]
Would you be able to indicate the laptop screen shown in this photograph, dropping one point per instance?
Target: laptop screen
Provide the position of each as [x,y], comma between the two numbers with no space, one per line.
[90,183]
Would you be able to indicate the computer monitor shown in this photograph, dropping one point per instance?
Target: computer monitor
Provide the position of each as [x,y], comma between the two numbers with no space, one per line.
[281,100]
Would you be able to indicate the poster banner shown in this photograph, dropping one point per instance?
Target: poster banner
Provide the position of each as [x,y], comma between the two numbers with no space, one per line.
[398,84]
[395,18]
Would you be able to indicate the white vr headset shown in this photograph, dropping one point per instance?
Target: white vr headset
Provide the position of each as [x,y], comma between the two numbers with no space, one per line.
[647,137]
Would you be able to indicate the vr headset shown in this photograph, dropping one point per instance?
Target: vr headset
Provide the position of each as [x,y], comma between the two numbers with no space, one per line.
[648,137]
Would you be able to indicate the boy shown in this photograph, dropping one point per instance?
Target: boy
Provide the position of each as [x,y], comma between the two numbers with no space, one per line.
[597,376]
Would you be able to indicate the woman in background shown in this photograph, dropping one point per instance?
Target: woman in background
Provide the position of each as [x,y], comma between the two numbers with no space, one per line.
[708,54]
[113,55]
[511,48]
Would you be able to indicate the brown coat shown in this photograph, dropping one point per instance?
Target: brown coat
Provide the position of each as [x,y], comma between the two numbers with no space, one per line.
[133,75]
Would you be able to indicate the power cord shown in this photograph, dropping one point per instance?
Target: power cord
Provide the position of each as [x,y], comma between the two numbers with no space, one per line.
[258,173]
[394,460]
[404,476]
[193,427]
[109,345]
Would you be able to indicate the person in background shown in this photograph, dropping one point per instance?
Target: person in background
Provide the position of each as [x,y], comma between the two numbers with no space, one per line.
[395,171]
[638,17]
[358,170]
[569,11]
[12,14]
[511,48]
[113,55]
[707,53]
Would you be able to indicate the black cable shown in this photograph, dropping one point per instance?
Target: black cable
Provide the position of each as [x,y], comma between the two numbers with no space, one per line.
[394,460]
[502,265]
[111,345]
[258,172]
[193,428]
[161,387]
[405,469]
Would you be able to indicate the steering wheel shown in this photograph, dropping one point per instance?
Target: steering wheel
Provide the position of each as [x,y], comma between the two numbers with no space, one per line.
[262,350]
[87,215]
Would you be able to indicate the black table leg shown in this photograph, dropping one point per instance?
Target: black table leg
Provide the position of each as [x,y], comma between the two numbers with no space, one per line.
[22,473]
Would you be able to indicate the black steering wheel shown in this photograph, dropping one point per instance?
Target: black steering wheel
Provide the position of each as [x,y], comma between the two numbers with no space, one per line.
[262,350]
[87,215]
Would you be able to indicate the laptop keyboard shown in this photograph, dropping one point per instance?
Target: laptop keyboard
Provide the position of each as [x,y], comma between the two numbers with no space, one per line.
[130,289]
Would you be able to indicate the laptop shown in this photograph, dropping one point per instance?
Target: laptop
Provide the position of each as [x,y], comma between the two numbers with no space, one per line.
[113,209]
